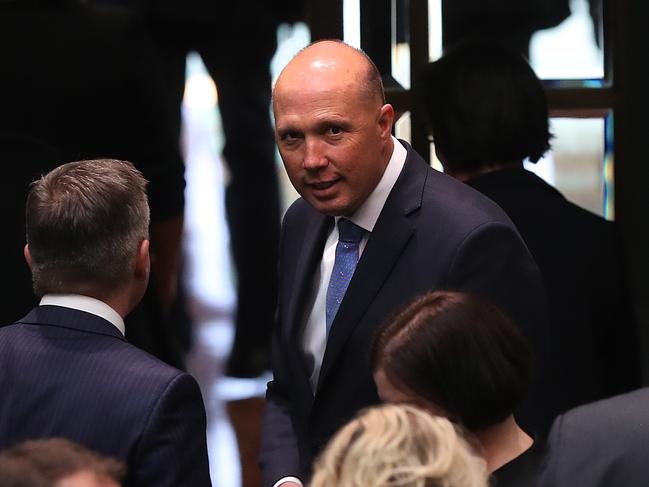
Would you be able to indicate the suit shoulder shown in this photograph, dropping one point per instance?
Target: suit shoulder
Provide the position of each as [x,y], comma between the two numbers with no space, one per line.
[141,364]
[587,219]
[449,198]
[614,431]
[299,210]
[630,406]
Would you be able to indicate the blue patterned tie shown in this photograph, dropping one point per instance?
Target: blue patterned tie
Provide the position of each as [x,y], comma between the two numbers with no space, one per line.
[349,239]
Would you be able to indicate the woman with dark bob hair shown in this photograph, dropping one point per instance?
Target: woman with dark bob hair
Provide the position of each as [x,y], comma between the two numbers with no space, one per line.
[459,356]
[488,114]
[486,109]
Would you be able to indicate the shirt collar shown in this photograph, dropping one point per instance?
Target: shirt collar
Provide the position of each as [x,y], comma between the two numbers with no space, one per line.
[87,304]
[368,213]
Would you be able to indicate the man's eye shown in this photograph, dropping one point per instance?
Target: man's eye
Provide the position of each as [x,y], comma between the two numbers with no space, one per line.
[335,130]
[289,137]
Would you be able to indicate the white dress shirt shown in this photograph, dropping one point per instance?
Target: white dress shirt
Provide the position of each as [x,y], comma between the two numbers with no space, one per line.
[87,304]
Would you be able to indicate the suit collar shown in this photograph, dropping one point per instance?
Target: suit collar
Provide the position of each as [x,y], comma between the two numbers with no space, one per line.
[385,244]
[367,215]
[87,304]
[49,315]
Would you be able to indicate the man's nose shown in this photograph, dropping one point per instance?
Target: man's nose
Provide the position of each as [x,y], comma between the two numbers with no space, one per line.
[314,154]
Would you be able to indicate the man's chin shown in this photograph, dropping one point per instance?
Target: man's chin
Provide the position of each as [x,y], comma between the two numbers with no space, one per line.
[330,207]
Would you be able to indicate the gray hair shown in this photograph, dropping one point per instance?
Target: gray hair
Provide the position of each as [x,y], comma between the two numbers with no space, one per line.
[84,222]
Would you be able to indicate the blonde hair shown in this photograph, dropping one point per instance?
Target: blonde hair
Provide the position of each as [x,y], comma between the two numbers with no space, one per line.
[399,446]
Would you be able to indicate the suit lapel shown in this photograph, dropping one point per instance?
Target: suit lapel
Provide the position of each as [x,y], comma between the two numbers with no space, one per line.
[307,260]
[310,255]
[386,243]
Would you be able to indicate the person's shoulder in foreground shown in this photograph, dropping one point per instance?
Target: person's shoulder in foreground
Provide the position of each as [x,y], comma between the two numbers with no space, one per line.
[69,370]
[601,444]
[57,462]
[403,442]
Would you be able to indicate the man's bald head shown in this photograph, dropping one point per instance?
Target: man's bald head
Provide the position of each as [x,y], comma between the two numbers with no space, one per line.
[333,57]
[332,126]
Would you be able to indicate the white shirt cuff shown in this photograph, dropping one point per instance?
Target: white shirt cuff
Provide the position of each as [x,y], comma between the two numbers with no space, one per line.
[287,479]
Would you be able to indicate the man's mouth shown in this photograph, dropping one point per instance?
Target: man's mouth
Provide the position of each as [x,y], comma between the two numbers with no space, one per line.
[322,185]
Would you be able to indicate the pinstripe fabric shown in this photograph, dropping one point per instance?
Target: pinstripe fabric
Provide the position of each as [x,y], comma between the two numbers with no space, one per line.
[68,373]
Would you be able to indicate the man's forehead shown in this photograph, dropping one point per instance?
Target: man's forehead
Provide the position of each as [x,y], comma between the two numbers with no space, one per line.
[321,103]
[318,84]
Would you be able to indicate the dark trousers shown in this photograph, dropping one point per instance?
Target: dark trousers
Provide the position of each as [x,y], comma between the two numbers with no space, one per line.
[238,59]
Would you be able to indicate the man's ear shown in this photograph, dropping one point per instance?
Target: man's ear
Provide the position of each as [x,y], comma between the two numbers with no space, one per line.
[142,260]
[386,120]
[28,256]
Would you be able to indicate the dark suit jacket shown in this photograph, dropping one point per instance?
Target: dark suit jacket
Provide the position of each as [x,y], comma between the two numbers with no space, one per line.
[602,444]
[592,330]
[71,374]
[433,232]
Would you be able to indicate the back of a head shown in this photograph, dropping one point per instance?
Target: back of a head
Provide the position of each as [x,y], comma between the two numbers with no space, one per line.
[84,221]
[398,445]
[51,462]
[485,107]
[457,353]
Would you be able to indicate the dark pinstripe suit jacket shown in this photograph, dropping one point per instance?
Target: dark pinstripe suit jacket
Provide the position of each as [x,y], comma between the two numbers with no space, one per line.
[68,373]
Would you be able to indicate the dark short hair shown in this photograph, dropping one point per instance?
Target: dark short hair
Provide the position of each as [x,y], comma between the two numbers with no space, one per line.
[485,106]
[84,221]
[457,352]
[42,462]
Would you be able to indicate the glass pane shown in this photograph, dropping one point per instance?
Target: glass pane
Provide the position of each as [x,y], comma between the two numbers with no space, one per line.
[352,22]
[434,160]
[402,127]
[580,164]
[573,49]
[400,43]
[434,29]
[561,38]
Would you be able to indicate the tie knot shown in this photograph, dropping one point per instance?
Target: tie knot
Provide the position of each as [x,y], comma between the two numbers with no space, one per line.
[349,231]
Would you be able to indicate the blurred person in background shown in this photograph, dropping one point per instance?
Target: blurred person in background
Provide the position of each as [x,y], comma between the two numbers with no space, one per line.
[487,113]
[236,42]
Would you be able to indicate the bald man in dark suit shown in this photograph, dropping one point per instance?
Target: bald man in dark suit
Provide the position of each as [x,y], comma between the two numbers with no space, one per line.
[419,230]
